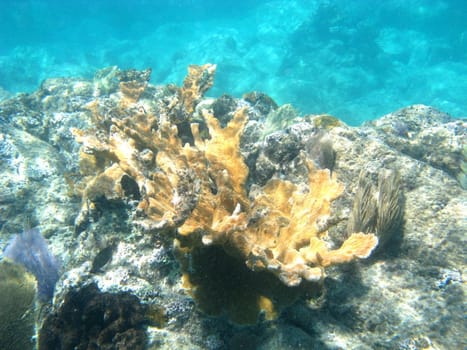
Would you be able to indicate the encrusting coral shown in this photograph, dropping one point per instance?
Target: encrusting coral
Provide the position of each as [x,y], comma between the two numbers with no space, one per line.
[198,189]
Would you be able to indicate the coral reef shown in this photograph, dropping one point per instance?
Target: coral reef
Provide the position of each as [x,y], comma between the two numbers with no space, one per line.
[17,307]
[279,230]
[132,84]
[409,294]
[200,190]
[35,152]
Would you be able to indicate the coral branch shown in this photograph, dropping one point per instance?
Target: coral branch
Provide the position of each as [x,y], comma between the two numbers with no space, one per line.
[199,187]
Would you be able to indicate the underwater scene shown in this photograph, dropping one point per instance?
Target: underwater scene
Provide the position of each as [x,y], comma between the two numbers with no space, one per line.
[233,175]
[356,60]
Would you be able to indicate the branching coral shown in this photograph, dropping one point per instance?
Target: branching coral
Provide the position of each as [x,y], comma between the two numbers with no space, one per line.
[132,84]
[198,188]
[180,106]
[220,167]
[288,240]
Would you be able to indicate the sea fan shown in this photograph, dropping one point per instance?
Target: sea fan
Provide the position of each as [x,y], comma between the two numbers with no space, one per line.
[29,249]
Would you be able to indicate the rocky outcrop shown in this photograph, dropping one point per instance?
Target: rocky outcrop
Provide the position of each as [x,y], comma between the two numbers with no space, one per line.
[406,166]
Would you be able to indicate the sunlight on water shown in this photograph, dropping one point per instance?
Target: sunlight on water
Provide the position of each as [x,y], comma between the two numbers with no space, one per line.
[356,60]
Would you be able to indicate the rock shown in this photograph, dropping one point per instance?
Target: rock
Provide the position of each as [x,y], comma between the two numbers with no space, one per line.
[33,186]
[88,318]
[286,337]
[428,135]
[409,294]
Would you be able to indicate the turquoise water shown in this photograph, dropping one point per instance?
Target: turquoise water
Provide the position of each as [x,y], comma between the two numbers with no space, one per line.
[356,60]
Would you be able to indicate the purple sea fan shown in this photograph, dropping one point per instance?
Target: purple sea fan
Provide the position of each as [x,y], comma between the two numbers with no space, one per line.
[29,249]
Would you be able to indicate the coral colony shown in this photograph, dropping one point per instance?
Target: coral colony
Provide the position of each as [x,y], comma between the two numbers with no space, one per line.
[29,249]
[188,176]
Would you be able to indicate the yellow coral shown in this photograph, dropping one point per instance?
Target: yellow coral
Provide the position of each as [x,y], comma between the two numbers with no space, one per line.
[129,149]
[220,164]
[198,81]
[198,189]
[179,107]
[131,91]
[286,235]
[132,85]
[290,250]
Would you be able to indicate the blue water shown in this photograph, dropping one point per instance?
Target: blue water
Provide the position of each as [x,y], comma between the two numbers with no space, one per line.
[356,60]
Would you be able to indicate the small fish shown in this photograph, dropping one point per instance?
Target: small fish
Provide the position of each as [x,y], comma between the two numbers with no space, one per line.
[102,258]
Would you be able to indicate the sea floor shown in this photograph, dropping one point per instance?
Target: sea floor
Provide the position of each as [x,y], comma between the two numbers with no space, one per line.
[157,245]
